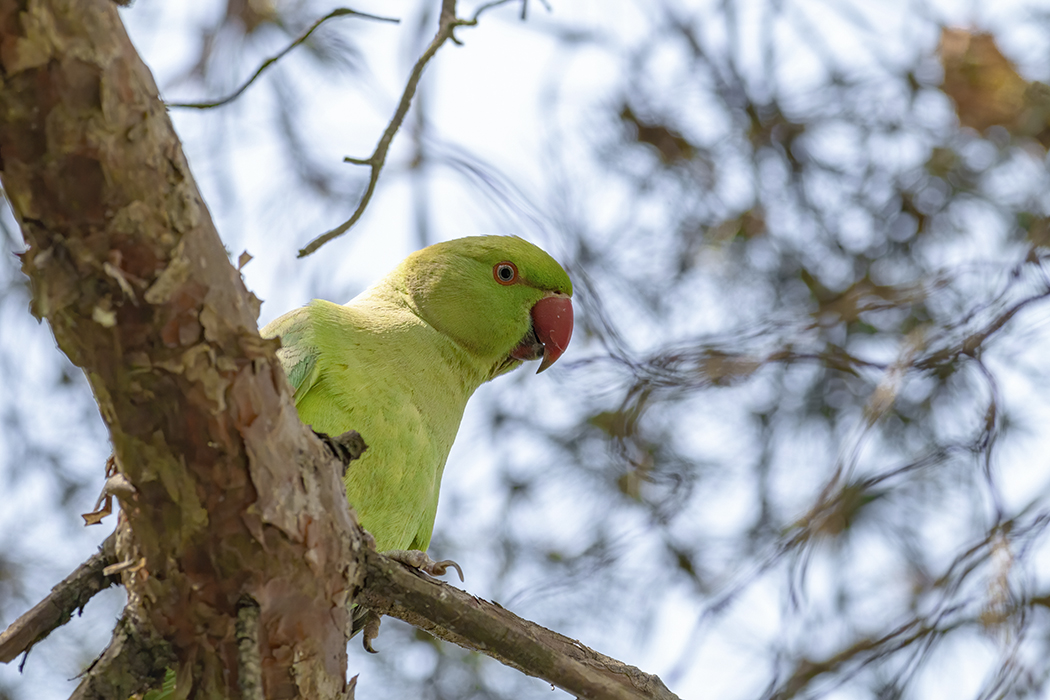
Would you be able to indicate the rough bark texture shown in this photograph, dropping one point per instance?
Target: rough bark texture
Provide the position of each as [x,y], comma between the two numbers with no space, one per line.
[57,608]
[233,496]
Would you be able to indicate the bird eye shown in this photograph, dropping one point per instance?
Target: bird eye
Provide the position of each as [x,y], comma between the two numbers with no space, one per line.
[505,273]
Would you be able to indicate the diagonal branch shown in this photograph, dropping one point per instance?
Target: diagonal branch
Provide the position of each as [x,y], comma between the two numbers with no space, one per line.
[476,624]
[338,12]
[70,595]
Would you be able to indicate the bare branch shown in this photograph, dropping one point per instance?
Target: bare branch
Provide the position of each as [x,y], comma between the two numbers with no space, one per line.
[972,344]
[338,12]
[57,608]
[472,623]
[447,24]
[497,3]
[863,652]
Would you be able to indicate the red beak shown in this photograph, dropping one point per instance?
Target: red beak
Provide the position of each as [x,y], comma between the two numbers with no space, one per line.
[552,321]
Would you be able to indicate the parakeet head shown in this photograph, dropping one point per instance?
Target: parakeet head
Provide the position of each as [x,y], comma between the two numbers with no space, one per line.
[499,297]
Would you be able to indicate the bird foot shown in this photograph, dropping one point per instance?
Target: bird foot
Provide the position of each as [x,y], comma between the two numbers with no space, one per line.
[370,630]
[419,560]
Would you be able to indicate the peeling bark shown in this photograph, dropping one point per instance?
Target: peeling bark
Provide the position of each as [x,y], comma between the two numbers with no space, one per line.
[233,496]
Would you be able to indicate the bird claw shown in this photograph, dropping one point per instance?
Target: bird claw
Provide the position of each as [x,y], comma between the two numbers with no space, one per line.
[370,630]
[419,560]
[367,621]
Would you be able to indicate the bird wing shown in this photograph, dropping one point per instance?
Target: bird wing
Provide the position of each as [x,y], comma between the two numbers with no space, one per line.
[298,353]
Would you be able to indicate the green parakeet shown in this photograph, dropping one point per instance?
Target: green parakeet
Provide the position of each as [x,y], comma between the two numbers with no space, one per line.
[399,362]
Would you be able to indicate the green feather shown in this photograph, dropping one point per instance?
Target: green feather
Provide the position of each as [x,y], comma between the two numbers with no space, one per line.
[399,362]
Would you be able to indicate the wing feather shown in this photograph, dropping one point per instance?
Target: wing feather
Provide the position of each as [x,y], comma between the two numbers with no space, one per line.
[298,353]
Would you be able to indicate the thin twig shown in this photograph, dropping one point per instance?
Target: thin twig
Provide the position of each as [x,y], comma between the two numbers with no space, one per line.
[447,24]
[70,595]
[339,12]
[972,344]
[497,3]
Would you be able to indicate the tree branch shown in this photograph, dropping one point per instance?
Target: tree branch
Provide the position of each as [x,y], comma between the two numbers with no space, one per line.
[458,617]
[338,12]
[69,596]
[389,589]
[447,24]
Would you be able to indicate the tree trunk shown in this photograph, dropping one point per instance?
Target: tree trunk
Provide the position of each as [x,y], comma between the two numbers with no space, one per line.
[228,499]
